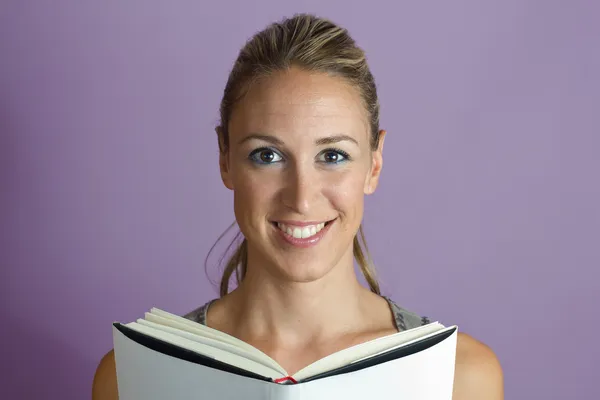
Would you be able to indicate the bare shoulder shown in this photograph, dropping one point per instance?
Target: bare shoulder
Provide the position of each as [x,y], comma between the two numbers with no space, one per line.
[105,379]
[478,372]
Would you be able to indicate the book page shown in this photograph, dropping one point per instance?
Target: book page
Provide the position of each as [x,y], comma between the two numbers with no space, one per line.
[367,349]
[425,375]
[209,339]
[328,363]
[206,331]
[150,375]
[182,341]
[144,374]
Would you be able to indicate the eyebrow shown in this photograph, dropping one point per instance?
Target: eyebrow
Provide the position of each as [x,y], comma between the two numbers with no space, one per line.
[264,138]
[335,139]
[318,142]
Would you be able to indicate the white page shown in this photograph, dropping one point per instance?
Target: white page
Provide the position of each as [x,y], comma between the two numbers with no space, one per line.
[197,335]
[149,375]
[367,349]
[332,361]
[209,351]
[206,330]
[427,375]
[145,374]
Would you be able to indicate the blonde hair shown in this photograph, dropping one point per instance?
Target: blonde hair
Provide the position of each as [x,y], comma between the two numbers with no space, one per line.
[314,44]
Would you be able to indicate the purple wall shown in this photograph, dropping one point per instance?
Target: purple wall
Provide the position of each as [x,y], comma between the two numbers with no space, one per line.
[487,215]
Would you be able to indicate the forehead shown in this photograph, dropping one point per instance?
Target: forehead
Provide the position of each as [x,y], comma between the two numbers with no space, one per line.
[297,100]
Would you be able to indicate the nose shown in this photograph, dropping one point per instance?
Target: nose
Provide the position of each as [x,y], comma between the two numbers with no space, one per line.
[300,190]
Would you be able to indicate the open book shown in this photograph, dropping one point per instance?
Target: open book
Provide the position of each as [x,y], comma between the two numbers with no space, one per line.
[165,356]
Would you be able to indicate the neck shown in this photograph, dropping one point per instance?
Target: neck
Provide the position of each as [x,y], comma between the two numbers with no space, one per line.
[299,312]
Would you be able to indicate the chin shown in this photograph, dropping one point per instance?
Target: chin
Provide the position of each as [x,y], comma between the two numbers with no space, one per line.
[303,272]
[306,266]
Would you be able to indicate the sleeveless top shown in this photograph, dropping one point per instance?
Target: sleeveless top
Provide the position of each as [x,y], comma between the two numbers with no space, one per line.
[403,318]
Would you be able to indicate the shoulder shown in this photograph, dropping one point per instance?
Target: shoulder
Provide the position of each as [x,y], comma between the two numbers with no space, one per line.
[405,319]
[478,374]
[199,314]
[104,386]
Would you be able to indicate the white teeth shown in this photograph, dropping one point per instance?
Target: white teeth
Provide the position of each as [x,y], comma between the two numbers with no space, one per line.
[301,232]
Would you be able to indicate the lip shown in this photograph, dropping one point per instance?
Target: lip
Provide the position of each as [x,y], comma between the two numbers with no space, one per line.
[301,223]
[306,242]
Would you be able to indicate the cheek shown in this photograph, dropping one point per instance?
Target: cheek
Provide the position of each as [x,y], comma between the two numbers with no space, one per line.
[346,194]
[253,192]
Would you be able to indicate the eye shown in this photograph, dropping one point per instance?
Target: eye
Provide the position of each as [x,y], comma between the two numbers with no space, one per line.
[265,156]
[333,156]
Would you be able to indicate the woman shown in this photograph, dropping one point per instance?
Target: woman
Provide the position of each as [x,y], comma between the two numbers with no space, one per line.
[300,147]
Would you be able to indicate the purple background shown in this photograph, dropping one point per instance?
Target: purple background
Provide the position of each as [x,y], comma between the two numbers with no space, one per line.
[487,215]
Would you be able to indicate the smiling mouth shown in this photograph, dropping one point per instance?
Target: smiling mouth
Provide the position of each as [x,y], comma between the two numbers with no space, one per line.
[301,232]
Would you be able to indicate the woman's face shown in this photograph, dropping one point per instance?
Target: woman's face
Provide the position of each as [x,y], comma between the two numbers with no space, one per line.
[299,163]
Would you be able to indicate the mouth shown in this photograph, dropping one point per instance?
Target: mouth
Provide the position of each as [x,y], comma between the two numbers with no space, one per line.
[302,234]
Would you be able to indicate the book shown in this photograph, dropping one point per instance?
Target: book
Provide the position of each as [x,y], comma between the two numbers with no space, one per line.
[166,356]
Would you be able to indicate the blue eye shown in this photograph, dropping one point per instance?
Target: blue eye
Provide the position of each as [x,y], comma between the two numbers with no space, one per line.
[265,156]
[333,156]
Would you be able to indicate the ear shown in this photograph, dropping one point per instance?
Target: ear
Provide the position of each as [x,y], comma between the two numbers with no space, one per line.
[376,165]
[224,165]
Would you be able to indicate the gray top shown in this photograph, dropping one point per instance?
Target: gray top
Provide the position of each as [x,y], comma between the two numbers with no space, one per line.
[404,319]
